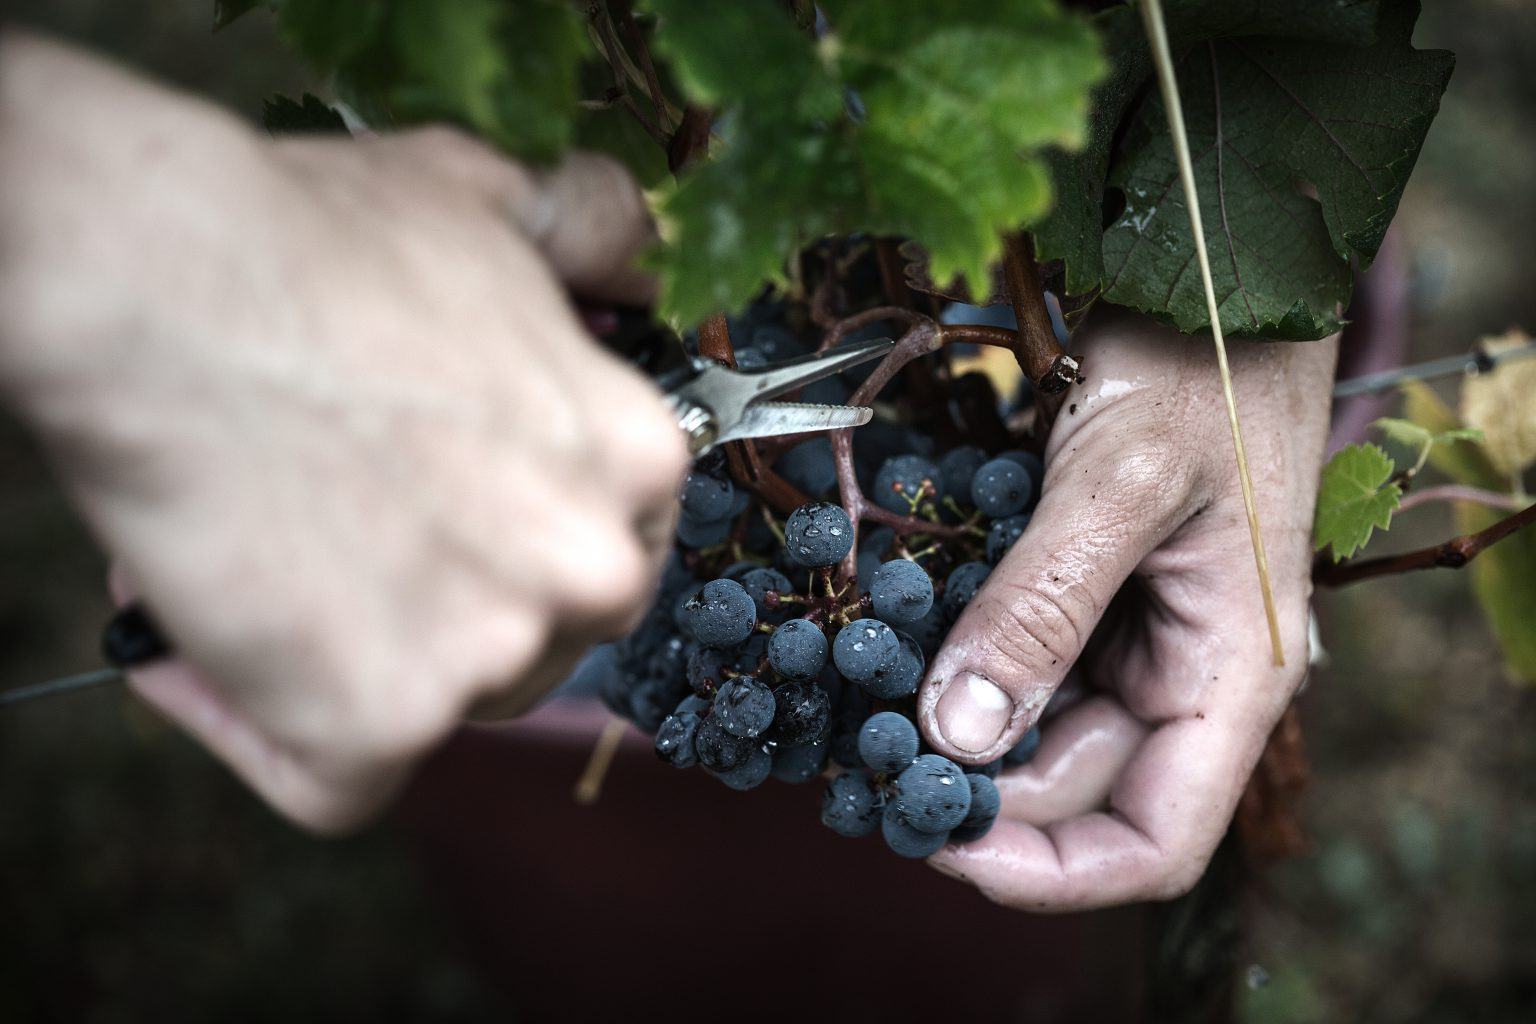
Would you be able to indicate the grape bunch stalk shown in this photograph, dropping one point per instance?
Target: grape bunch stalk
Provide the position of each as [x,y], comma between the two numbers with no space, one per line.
[793,649]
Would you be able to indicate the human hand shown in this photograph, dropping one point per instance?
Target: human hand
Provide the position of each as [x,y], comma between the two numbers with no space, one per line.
[328,406]
[1141,541]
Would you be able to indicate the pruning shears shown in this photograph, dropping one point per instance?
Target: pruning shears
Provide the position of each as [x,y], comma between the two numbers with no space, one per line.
[716,403]
[713,404]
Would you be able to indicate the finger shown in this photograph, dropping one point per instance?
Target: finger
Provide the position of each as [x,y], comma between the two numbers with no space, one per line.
[1166,816]
[1102,512]
[1081,754]
[590,220]
[586,215]
[1217,695]
[329,805]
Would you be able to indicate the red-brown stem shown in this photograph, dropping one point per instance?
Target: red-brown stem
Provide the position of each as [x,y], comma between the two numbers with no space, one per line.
[691,140]
[923,337]
[626,19]
[1459,492]
[1037,350]
[842,328]
[980,334]
[746,465]
[1453,554]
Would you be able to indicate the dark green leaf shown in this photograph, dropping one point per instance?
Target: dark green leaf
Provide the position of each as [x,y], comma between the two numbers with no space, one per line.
[331,32]
[1074,230]
[282,114]
[1267,117]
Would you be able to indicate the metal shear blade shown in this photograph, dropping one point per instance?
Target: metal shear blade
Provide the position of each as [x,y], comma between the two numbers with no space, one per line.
[717,403]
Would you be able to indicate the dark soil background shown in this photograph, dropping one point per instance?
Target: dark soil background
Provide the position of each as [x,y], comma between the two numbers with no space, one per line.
[138,881]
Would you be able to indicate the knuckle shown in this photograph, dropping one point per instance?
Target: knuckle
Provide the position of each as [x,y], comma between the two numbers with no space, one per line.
[1033,627]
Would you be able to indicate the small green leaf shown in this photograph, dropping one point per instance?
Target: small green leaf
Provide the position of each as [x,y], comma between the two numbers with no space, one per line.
[282,114]
[1354,498]
[1461,458]
[1404,432]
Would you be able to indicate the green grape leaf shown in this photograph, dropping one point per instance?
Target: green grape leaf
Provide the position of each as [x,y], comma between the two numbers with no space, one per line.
[1461,458]
[895,122]
[1354,498]
[282,114]
[1267,116]
[506,71]
[331,32]
[1501,579]
[1074,230]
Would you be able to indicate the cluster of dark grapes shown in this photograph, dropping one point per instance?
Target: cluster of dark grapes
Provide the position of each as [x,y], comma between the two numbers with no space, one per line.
[759,659]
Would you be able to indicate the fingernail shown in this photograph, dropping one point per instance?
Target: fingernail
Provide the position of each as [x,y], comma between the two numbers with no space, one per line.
[973,712]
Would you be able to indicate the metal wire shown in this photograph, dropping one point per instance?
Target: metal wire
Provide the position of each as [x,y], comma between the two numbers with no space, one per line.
[58,687]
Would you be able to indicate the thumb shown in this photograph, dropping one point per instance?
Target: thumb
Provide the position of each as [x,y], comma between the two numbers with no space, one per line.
[1101,513]
[589,218]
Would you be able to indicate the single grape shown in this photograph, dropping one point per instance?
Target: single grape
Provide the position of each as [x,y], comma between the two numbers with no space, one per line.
[799,764]
[718,750]
[957,468]
[901,592]
[903,481]
[1031,463]
[888,742]
[1003,534]
[877,541]
[674,739]
[985,805]
[694,533]
[707,497]
[759,582]
[691,704]
[851,805]
[744,706]
[991,769]
[906,841]
[1023,751]
[649,704]
[900,678]
[929,631]
[964,580]
[777,342]
[932,794]
[809,466]
[706,669]
[752,772]
[721,614]
[864,647]
[802,714]
[749,358]
[797,649]
[818,534]
[1001,488]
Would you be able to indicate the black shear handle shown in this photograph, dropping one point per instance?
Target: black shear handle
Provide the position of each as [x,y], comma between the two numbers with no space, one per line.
[131,638]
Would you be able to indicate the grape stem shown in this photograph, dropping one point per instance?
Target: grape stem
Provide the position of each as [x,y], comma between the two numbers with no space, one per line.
[1039,354]
[1453,554]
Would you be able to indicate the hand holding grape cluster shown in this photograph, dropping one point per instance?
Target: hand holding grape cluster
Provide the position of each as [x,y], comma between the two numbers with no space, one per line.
[758,676]
[928,683]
